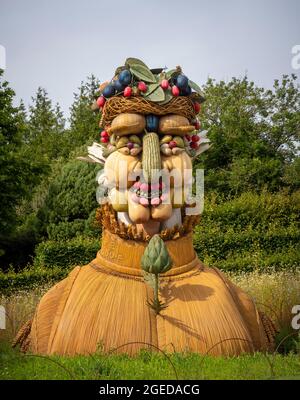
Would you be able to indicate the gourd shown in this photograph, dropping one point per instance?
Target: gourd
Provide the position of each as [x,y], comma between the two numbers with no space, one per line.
[151,156]
[127,123]
[174,124]
[114,167]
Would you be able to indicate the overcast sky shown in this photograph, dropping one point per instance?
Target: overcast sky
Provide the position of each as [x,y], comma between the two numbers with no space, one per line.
[56,44]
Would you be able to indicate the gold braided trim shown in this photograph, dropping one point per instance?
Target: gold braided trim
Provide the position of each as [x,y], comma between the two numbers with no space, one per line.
[107,217]
[116,105]
[136,275]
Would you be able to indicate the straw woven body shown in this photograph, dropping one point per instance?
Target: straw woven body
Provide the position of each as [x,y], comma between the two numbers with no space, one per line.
[104,304]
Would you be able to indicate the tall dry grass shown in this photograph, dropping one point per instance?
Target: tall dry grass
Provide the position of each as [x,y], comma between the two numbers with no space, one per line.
[19,307]
[275,293]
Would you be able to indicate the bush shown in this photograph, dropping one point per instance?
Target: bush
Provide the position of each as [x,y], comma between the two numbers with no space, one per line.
[76,251]
[12,281]
[69,207]
[251,231]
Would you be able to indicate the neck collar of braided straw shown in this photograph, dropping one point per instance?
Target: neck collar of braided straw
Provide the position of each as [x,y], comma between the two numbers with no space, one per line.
[182,105]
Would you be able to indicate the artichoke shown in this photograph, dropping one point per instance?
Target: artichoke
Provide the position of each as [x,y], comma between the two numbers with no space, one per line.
[156,259]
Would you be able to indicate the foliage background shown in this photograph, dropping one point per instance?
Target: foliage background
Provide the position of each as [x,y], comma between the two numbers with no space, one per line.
[252,180]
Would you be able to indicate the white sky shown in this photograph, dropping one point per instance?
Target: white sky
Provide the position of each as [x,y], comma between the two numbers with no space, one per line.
[56,44]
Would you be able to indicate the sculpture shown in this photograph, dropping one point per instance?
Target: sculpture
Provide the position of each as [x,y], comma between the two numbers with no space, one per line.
[146,288]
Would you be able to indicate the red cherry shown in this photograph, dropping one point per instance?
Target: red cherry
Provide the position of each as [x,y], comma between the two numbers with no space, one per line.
[188,137]
[101,101]
[142,87]
[104,140]
[197,124]
[127,91]
[197,107]
[175,91]
[104,134]
[195,138]
[172,144]
[194,145]
[164,84]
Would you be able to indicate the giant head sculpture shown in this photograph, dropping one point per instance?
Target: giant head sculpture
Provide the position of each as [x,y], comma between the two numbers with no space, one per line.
[150,136]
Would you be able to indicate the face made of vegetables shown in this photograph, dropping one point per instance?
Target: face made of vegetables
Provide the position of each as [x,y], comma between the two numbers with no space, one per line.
[147,161]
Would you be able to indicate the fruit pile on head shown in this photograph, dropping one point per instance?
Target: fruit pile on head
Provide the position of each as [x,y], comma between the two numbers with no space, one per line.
[155,85]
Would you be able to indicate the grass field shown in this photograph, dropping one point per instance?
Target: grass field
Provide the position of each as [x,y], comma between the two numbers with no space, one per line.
[148,365]
[275,293]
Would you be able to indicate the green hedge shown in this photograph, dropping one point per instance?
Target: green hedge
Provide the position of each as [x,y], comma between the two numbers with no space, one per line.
[76,251]
[29,278]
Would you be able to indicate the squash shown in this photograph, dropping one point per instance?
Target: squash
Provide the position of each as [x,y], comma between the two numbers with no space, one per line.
[114,168]
[179,162]
[173,124]
[127,123]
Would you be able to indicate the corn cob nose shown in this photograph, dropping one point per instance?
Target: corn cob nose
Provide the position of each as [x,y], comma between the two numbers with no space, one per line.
[151,160]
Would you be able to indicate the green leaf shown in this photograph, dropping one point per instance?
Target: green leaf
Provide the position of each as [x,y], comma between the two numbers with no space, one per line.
[171,73]
[134,61]
[194,86]
[168,97]
[157,95]
[150,89]
[143,73]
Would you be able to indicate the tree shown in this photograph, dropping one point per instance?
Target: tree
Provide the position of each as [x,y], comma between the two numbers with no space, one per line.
[84,124]
[254,134]
[70,205]
[17,172]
